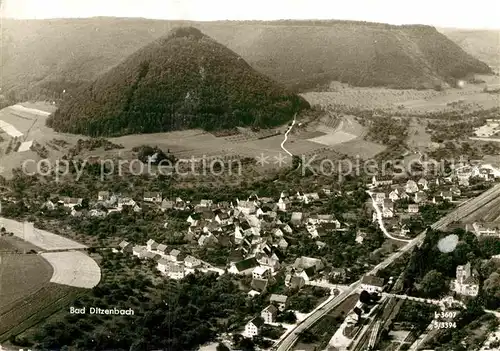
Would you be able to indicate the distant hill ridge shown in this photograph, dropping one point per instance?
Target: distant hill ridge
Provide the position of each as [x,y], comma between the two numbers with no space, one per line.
[42,55]
[182,80]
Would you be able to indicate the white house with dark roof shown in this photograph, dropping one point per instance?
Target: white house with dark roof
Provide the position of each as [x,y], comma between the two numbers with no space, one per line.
[253,327]
[246,207]
[243,267]
[151,245]
[269,314]
[261,272]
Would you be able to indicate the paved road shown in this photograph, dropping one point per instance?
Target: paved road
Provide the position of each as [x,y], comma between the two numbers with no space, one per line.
[290,338]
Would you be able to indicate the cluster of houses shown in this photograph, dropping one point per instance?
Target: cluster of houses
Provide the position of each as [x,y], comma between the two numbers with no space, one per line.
[277,303]
[172,263]
[413,194]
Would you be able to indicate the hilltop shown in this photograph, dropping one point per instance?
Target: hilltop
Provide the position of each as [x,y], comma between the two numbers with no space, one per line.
[49,55]
[183,80]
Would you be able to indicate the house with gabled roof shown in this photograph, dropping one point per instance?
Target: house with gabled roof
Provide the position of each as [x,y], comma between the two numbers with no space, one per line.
[125,247]
[297,282]
[269,314]
[162,249]
[151,245]
[447,195]
[192,262]
[411,187]
[307,274]
[259,284]
[423,184]
[253,327]
[394,195]
[175,255]
[222,218]
[280,301]
[246,207]
[297,218]
[420,197]
[138,251]
[388,209]
[244,267]
[103,195]
[283,204]
[282,244]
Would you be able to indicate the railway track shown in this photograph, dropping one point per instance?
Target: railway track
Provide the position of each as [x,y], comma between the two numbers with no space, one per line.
[291,337]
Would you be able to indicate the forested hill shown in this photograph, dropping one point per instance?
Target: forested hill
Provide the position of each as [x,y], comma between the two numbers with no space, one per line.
[50,55]
[180,81]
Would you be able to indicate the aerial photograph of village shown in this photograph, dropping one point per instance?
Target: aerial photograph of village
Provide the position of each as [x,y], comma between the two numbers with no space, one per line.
[282,175]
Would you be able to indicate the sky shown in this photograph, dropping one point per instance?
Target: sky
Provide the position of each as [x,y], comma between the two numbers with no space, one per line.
[440,13]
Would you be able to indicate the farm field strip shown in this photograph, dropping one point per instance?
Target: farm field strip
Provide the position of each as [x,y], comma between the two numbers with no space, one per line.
[30,110]
[73,268]
[41,238]
[10,129]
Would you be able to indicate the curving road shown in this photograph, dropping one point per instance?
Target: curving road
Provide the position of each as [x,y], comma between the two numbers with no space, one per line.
[380,220]
[291,336]
[286,136]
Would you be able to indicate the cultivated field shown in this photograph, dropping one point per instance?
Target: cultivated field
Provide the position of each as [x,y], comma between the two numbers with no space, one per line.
[26,295]
[73,268]
[340,134]
[20,276]
[35,308]
[415,101]
[41,238]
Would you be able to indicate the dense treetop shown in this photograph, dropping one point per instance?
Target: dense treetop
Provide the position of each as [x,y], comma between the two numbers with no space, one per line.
[183,80]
